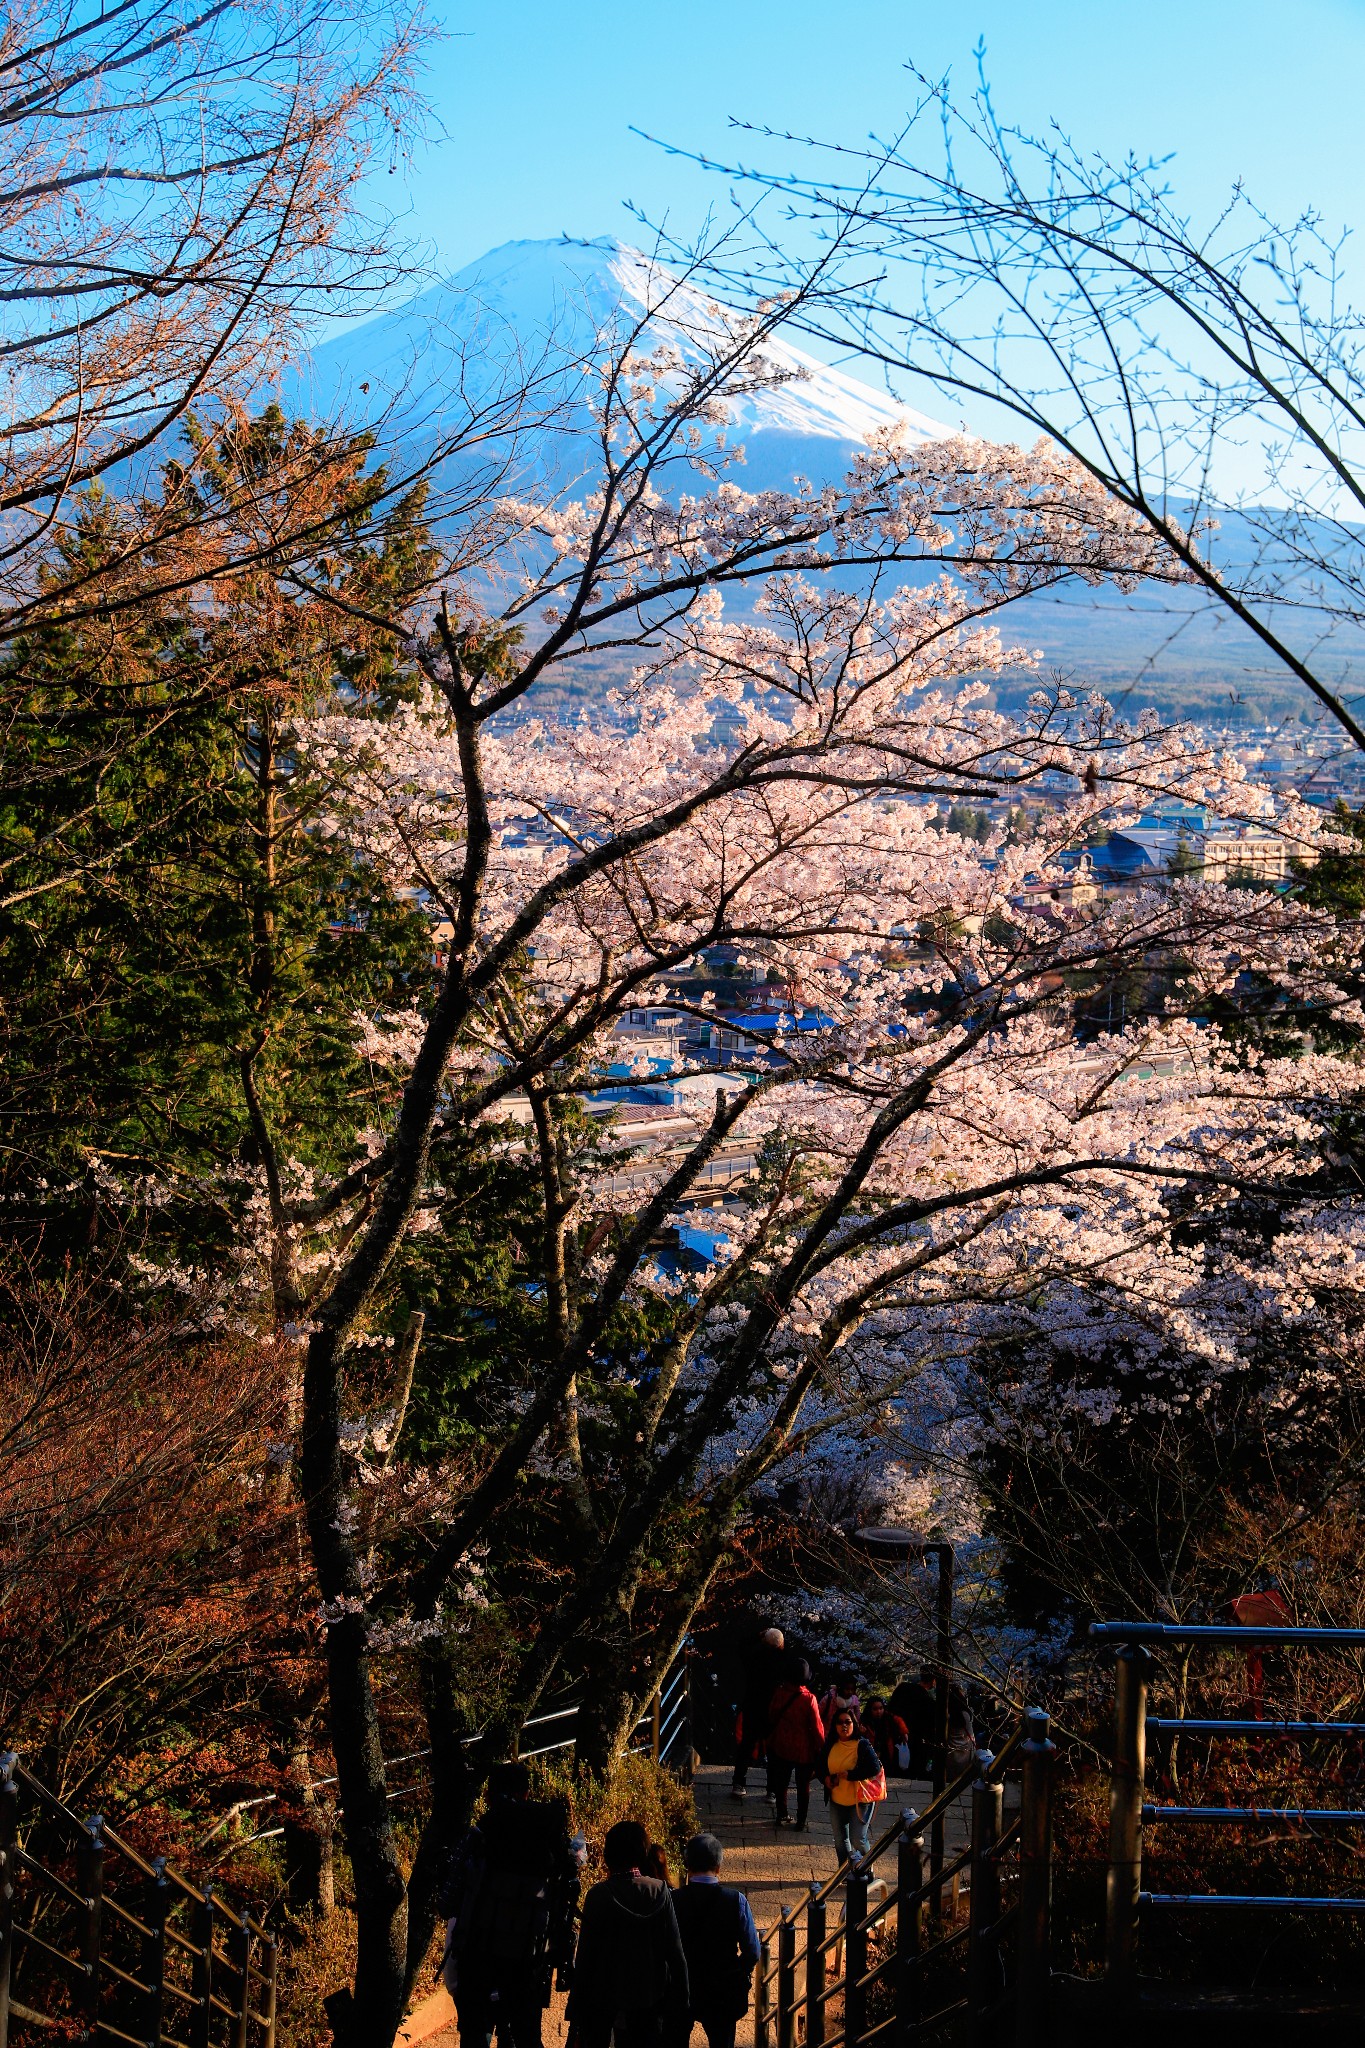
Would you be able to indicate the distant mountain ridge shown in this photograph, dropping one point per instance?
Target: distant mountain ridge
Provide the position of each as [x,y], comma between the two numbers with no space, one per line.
[550,306]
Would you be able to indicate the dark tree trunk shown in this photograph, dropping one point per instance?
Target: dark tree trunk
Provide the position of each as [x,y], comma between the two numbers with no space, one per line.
[371,2016]
[458,1770]
[308,1861]
[603,1724]
[377,2003]
[619,1684]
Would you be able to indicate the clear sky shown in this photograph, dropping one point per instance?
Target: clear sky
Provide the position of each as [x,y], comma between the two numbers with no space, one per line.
[538,97]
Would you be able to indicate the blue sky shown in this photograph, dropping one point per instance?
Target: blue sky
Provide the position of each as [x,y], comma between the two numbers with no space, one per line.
[538,101]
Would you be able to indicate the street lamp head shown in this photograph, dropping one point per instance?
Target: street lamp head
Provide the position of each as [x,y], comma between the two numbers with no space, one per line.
[901,1542]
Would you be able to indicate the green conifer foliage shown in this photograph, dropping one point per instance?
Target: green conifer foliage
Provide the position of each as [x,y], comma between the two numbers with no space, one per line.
[184,952]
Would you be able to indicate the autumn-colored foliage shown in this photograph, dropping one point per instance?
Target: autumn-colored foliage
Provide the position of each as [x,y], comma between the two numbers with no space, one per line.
[158,1649]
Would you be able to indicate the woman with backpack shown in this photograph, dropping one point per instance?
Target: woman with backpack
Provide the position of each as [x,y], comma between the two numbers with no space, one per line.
[855,1782]
[795,1741]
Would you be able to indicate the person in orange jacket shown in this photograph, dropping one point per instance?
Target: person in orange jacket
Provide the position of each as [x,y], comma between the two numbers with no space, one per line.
[854,1781]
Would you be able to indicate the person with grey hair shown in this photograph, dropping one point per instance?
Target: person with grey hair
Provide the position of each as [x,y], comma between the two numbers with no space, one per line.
[762,1672]
[721,1944]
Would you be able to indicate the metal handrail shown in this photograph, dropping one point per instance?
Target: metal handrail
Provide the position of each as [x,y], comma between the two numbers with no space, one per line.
[944,1942]
[1250,1635]
[1265,1901]
[58,1955]
[1006,1841]
[1290,1731]
[183,1884]
[1131,1810]
[995,1932]
[879,1969]
[1231,1816]
[949,2012]
[221,1978]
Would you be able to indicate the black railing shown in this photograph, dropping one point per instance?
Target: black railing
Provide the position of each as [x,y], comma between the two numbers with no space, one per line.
[869,1959]
[96,1938]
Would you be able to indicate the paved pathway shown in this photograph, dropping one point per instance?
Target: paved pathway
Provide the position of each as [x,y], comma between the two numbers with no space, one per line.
[777,1866]
[774,1866]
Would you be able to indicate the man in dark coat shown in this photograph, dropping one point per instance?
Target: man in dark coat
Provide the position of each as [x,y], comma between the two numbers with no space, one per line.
[630,1974]
[763,1672]
[510,1894]
[721,1944]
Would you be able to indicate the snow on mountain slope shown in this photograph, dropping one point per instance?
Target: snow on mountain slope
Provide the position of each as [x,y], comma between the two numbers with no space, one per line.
[547,306]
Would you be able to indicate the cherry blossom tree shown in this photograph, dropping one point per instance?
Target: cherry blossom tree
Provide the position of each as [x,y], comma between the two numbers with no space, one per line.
[928,1139]
[180,202]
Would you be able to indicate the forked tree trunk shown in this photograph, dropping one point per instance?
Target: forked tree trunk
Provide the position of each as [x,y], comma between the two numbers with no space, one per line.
[603,1724]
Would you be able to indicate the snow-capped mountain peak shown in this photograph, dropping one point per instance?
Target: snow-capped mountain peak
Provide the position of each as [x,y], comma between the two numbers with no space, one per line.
[527,301]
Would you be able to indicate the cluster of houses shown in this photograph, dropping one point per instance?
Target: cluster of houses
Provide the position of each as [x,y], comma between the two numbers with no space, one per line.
[668,1058]
[1177,838]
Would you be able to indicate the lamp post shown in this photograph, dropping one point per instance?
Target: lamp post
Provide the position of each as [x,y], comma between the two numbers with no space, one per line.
[908,1543]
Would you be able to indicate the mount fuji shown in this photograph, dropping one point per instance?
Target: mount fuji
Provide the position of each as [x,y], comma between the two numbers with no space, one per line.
[545,311]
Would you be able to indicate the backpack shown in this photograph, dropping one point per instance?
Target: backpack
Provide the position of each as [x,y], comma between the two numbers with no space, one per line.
[504,1885]
[636,1948]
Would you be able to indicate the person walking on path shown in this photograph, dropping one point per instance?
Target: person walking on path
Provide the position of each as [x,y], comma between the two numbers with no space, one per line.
[889,1736]
[764,1670]
[721,1944]
[630,1975]
[795,1741]
[843,1692]
[914,1701]
[509,1893]
[855,1782]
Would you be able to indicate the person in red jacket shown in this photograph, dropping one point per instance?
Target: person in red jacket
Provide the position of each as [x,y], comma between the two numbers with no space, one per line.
[888,1735]
[796,1741]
